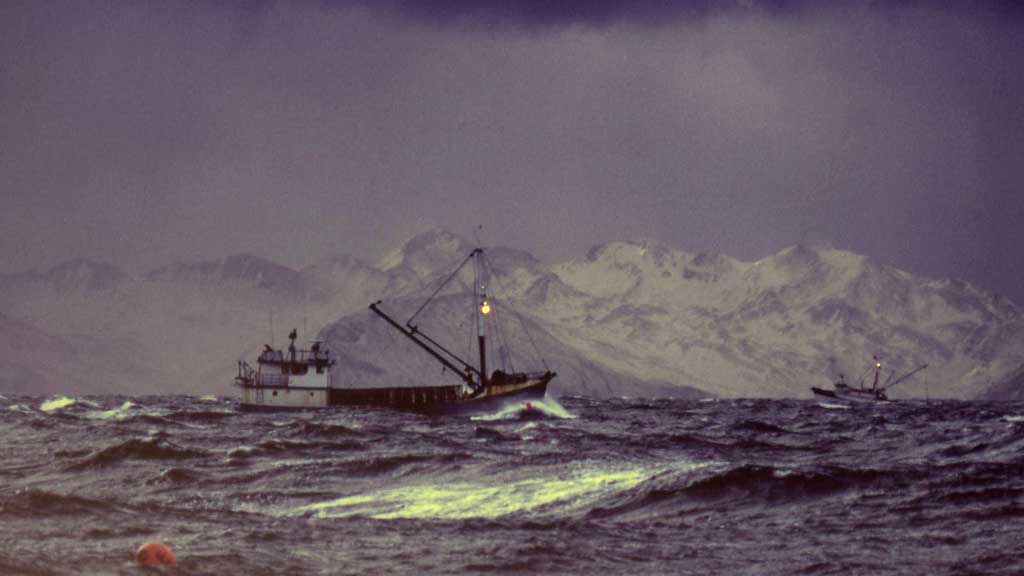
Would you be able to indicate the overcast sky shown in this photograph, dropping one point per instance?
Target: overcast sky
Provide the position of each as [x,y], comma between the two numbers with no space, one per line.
[143,132]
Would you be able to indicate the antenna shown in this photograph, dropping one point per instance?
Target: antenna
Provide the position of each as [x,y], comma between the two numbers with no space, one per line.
[271,327]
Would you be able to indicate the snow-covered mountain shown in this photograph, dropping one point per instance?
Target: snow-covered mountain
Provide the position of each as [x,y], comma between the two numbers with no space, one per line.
[629,318]
[775,326]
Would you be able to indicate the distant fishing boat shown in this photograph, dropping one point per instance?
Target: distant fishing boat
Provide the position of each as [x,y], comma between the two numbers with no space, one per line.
[861,393]
[302,378]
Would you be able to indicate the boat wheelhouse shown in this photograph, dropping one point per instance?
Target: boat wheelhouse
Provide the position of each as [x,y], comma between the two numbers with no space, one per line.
[289,378]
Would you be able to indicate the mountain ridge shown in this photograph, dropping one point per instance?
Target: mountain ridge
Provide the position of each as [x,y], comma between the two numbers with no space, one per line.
[648,315]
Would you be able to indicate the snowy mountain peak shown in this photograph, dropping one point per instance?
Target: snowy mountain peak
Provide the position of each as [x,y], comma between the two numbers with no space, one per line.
[631,252]
[428,252]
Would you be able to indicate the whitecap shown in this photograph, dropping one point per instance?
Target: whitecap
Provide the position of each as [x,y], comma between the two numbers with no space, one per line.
[828,406]
[548,407]
[114,413]
[56,403]
[1014,418]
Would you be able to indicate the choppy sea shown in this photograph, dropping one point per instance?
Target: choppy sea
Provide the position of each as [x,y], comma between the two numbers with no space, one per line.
[569,486]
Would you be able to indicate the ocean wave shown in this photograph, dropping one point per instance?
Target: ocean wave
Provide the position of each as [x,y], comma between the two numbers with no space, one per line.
[119,413]
[768,483]
[402,464]
[306,429]
[564,493]
[748,485]
[182,476]
[57,403]
[278,446]
[153,448]
[37,502]
[761,427]
[201,416]
[539,409]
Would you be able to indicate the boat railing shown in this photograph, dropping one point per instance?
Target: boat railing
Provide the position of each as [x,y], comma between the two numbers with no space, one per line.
[301,356]
[245,372]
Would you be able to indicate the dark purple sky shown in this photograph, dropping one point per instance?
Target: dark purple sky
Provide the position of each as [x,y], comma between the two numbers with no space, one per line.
[141,132]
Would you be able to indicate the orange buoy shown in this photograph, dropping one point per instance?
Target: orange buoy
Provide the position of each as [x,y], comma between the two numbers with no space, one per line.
[155,553]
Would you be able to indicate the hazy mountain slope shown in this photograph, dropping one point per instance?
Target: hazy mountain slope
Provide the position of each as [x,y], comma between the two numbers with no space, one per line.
[371,353]
[37,362]
[1010,388]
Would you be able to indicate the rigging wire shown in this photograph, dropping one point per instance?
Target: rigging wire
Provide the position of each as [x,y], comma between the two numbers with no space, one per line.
[494,324]
[441,287]
[526,330]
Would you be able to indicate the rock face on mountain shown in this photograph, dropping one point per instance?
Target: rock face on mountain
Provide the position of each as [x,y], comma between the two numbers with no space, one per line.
[627,319]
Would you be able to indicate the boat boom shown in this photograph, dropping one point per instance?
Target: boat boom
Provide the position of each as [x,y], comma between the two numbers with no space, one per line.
[413,334]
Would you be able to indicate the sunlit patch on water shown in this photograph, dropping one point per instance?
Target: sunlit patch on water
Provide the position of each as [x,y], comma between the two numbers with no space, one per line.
[459,500]
[57,403]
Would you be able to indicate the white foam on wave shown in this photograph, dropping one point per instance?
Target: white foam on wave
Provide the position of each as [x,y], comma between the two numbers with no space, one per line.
[829,406]
[572,490]
[548,407]
[1014,418]
[114,413]
[57,403]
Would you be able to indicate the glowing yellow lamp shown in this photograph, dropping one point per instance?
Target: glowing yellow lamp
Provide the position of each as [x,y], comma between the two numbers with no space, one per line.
[485,308]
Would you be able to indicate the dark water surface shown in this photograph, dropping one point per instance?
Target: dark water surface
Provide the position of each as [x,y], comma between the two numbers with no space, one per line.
[584,487]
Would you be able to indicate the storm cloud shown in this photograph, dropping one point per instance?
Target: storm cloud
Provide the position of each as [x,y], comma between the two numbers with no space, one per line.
[145,132]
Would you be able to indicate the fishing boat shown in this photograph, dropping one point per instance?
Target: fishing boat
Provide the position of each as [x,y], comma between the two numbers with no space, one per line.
[302,378]
[861,393]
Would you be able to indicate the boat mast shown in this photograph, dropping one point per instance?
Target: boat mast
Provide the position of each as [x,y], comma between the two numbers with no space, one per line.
[435,349]
[480,293]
